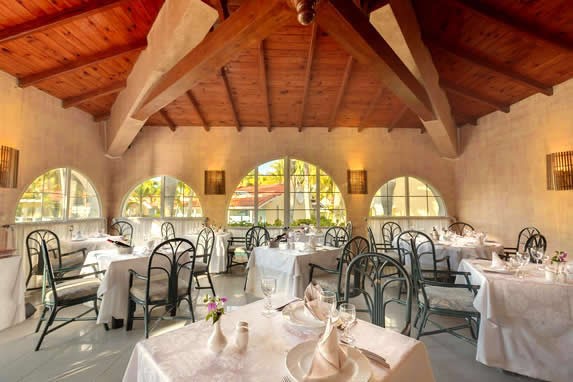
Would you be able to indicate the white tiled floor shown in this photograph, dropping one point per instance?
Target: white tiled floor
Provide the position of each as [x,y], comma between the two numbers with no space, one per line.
[85,352]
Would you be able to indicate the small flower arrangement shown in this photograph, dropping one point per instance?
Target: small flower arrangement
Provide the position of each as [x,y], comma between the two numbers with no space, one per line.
[215,307]
[559,257]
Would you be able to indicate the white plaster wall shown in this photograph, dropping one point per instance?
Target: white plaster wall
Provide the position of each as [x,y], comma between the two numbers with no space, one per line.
[501,175]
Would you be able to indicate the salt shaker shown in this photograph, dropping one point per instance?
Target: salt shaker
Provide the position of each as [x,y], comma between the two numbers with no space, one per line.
[242,336]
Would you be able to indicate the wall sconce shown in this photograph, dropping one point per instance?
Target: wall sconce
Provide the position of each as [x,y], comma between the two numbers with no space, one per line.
[357,182]
[214,182]
[560,171]
[8,167]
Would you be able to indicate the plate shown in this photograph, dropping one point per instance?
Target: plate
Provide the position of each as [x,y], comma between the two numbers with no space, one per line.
[497,270]
[299,359]
[294,313]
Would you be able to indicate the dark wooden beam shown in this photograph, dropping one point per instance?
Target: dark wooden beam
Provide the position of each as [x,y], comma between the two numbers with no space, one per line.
[353,31]
[197,108]
[469,94]
[252,22]
[489,64]
[79,99]
[365,119]
[263,83]
[229,94]
[466,119]
[168,119]
[307,75]
[101,117]
[33,79]
[49,21]
[524,28]
[341,92]
[398,119]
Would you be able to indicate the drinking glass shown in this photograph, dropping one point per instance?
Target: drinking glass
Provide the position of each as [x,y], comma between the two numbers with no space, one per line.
[269,286]
[329,303]
[522,259]
[347,316]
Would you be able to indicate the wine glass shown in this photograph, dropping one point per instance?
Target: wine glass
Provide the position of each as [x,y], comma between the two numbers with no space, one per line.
[347,316]
[329,303]
[269,286]
[522,259]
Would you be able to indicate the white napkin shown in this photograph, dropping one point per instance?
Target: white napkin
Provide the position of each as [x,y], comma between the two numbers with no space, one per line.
[496,261]
[328,357]
[312,303]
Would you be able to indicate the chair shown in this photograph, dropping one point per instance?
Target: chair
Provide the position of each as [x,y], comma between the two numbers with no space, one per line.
[373,245]
[166,284]
[536,242]
[63,260]
[256,236]
[124,229]
[375,272]
[349,229]
[234,243]
[335,237]
[390,232]
[167,231]
[522,239]
[204,251]
[415,243]
[461,228]
[356,246]
[64,292]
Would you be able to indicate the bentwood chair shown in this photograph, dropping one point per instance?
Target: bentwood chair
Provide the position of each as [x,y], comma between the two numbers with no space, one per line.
[390,232]
[204,252]
[536,242]
[65,292]
[417,244]
[522,239]
[374,275]
[356,246]
[61,260]
[166,283]
[461,228]
[335,237]
[167,231]
[377,247]
[124,229]
[349,229]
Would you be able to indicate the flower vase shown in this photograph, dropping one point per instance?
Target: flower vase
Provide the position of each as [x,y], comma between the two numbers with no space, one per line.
[217,340]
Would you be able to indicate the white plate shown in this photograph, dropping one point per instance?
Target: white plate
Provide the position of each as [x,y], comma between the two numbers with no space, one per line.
[299,359]
[294,313]
[497,270]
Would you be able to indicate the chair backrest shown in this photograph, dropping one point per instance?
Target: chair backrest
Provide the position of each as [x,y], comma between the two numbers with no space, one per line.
[536,242]
[355,246]
[461,228]
[372,239]
[390,231]
[34,246]
[416,246]
[524,236]
[205,244]
[335,237]
[256,236]
[349,229]
[49,280]
[376,273]
[167,231]
[124,229]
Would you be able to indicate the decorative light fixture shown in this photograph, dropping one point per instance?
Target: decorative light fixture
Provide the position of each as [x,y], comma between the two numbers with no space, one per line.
[357,182]
[560,171]
[214,182]
[8,167]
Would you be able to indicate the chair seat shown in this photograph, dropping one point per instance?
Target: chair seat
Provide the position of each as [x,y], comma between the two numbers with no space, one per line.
[74,290]
[200,267]
[327,281]
[69,261]
[449,298]
[158,289]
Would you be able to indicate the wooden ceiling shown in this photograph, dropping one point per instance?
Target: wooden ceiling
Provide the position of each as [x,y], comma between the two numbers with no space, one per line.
[489,55]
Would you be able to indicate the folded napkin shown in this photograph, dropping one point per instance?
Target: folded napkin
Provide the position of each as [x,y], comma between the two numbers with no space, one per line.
[312,303]
[328,357]
[496,261]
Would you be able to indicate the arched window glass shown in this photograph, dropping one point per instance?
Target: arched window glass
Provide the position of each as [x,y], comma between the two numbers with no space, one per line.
[407,196]
[287,192]
[57,195]
[162,197]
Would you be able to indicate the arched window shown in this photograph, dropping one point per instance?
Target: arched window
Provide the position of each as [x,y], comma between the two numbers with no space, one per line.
[59,194]
[286,192]
[407,196]
[162,197]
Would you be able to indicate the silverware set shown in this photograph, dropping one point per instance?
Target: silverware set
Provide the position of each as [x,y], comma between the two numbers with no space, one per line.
[281,308]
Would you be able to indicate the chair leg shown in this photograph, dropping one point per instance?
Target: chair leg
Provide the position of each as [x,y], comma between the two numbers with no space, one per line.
[28,278]
[41,319]
[130,313]
[173,310]
[419,311]
[211,284]
[48,324]
[245,286]
[146,320]
[423,323]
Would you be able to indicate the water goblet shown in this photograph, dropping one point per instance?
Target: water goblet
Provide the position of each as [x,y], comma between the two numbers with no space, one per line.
[269,286]
[347,316]
[329,303]
[523,259]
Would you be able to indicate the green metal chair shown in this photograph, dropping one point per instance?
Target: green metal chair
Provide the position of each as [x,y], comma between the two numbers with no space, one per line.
[418,242]
[124,229]
[522,239]
[536,242]
[204,252]
[461,228]
[378,247]
[167,231]
[390,232]
[336,237]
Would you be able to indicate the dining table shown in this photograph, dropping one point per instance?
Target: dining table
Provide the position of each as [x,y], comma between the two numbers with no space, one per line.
[526,323]
[12,289]
[183,355]
[290,267]
[219,255]
[91,243]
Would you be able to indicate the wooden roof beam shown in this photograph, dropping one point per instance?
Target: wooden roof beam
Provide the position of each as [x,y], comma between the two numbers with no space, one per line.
[263,83]
[50,21]
[221,7]
[101,117]
[229,94]
[195,104]
[79,99]
[167,118]
[466,93]
[398,119]
[33,79]
[253,21]
[365,118]
[341,92]
[307,75]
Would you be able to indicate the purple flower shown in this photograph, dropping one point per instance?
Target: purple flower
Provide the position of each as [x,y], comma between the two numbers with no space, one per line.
[223,299]
[211,306]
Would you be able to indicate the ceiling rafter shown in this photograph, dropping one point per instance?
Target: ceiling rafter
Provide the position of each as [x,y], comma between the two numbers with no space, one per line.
[341,92]
[49,21]
[365,118]
[170,123]
[93,94]
[101,117]
[398,118]
[470,94]
[264,85]
[229,95]
[198,109]
[307,75]
[33,79]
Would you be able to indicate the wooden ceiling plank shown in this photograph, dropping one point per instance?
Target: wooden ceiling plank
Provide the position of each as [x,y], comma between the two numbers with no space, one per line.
[79,99]
[81,63]
[353,31]
[170,122]
[263,83]
[341,92]
[459,90]
[197,108]
[49,21]
[307,75]
[398,119]
[229,95]
[365,119]
[253,21]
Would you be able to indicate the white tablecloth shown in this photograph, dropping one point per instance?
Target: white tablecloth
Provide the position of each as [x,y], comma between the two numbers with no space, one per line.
[526,324]
[91,244]
[219,257]
[181,355]
[289,266]
[12,290]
